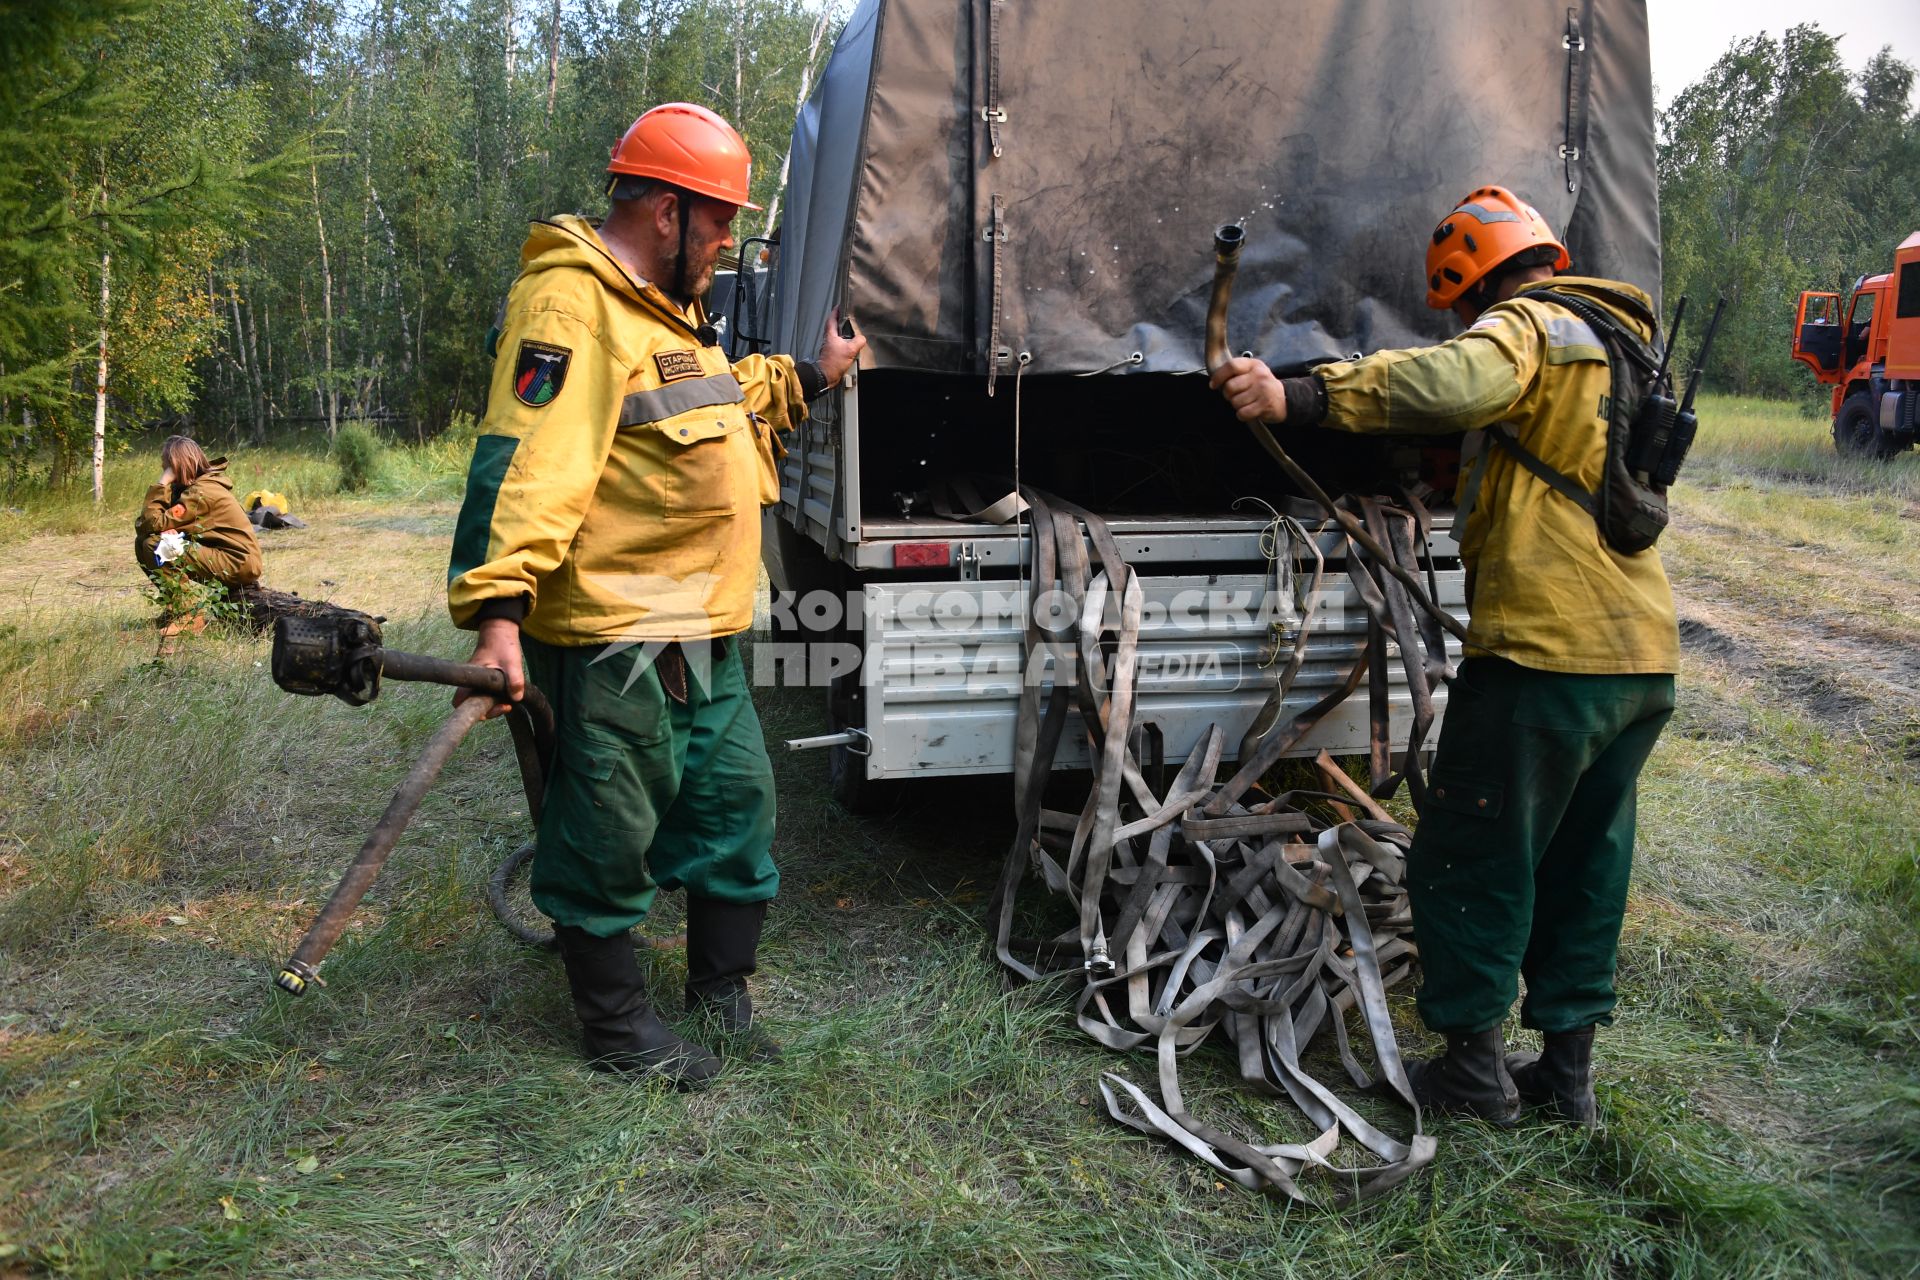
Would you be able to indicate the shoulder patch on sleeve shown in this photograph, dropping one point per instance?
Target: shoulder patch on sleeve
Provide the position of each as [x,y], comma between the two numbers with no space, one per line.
[539,372]
[1484,322]
[675,365]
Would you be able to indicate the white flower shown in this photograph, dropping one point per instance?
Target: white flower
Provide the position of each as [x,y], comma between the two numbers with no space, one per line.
[172,545]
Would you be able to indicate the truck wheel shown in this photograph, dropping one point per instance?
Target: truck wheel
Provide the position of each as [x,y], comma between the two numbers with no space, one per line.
[1856,429]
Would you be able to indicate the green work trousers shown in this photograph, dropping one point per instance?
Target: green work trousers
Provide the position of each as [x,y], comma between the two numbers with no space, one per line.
[648,793]
[1523,853]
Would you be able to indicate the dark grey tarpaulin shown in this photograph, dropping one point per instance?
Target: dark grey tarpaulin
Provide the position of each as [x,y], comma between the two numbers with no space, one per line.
[1337,131]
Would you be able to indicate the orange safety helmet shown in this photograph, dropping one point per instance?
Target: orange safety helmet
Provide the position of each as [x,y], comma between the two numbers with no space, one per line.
[1490,227]
[688,146]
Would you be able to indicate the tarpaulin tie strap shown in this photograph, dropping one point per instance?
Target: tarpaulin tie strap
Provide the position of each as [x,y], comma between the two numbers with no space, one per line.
[996,236]
[992,113]
[1209,908]
[1572,146]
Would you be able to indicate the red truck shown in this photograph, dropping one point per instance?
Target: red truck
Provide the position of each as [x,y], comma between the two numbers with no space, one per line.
[1871,359]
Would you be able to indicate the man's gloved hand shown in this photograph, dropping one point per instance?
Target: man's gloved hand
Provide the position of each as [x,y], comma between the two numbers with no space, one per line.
[1251,389]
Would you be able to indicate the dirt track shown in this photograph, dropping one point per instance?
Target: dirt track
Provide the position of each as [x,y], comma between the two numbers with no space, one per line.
[1828,629]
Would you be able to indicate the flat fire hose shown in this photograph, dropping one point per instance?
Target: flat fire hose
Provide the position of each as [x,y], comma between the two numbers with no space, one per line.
[1202,911]
[340,652]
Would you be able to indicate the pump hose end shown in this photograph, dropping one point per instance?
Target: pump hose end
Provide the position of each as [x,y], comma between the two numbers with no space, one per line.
[295,978]
[1227,239]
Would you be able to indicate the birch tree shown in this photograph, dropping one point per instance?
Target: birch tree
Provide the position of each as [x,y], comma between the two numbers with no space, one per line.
[100,387]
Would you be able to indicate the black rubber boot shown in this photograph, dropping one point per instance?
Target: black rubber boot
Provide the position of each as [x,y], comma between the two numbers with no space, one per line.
[1560,1078]
[1470,1078]
[723,939]
[620,1030]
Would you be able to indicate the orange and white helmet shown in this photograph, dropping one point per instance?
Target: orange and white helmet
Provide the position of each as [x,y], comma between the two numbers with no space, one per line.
[1489,227]
[690,147]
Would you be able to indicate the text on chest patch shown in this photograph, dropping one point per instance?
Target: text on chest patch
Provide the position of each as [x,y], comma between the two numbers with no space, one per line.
[675,365]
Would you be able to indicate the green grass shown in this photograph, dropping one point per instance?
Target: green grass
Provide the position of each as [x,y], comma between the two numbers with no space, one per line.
[1747,440]
[171,829]
[305,471]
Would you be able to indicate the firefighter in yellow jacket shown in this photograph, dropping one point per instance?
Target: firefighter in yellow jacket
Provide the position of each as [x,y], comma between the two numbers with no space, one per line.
[1521,860]
[610,540]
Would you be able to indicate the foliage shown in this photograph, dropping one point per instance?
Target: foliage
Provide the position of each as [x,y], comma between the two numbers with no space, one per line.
[313,210]
[179,596]
[124,139]
[357,450]
[1780,172]
[449,125]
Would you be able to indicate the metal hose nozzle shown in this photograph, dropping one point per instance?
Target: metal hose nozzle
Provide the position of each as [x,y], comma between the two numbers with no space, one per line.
[1227,240]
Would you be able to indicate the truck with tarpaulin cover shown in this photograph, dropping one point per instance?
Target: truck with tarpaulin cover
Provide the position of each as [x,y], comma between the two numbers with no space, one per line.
[1016,199]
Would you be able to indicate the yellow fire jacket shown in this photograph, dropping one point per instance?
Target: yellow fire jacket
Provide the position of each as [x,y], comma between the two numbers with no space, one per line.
[1544,588]
[615,491]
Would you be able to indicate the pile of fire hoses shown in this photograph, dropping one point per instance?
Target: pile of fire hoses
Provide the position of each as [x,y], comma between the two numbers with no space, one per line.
[1211,909]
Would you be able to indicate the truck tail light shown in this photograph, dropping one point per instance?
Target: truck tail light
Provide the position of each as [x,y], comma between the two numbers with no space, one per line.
[922,555]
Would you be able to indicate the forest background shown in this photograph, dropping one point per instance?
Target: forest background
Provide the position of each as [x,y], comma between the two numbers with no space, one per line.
[257,217]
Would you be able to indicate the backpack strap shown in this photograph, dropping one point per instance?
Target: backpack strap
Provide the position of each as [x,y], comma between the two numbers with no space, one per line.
[1617,341]
[1614,336]
[1501,433]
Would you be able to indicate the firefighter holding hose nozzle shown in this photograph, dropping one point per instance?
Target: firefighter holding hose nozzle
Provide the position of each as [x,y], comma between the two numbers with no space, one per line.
[608,551]
[1521,860]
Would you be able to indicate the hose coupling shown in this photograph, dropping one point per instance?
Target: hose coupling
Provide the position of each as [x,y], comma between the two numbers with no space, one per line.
[1227,239]
[295,978]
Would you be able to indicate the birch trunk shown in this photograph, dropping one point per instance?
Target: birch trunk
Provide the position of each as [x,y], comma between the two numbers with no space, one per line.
[313,365]
[268,387]
[399,283]
[806,86]
[256,376]
[240,337]
[739,65]
[100,389]
[553,59]
[330,395]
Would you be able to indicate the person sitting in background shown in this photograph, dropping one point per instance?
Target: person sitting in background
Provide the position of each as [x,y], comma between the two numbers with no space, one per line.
[194,498]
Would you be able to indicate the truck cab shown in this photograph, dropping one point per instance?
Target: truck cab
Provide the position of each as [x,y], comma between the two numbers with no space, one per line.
[1869,353]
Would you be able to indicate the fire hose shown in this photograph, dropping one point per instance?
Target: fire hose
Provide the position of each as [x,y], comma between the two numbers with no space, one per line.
[1211,908]
[1227,242]
[341,653]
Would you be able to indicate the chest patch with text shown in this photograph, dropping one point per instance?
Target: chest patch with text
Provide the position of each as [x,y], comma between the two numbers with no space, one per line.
[675,365]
